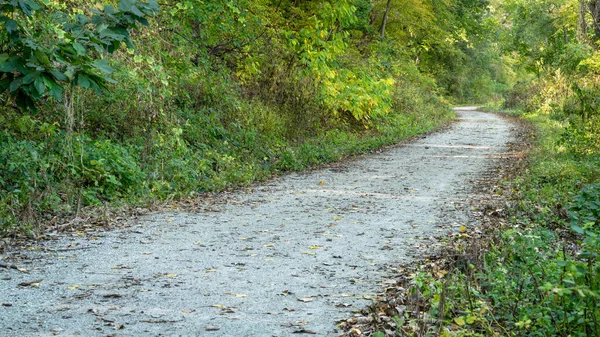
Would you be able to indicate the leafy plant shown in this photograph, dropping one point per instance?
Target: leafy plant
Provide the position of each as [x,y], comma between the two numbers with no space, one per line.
[43,49]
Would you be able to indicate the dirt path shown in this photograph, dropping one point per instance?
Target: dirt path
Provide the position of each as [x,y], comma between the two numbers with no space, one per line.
[292,256]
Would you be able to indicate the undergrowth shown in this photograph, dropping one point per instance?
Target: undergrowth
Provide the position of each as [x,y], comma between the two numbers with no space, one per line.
[51,175]
[534,272]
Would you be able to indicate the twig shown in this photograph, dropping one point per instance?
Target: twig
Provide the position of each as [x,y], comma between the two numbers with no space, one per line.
[55,250]
[12,266]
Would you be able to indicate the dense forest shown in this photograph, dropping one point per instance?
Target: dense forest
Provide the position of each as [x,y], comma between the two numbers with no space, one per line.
[114,104]
[138,101]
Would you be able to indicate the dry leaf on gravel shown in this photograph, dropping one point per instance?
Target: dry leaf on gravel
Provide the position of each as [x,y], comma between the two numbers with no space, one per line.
[305,299]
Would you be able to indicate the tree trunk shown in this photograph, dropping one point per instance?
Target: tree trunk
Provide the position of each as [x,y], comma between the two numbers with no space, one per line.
[594,7]
[385,18]
[582,27]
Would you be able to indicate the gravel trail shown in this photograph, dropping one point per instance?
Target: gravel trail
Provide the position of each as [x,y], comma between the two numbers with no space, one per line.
[289,257]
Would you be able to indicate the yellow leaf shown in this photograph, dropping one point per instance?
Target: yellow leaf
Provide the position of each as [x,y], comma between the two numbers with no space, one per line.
[218,306]
[321,182]
[460,321]
[463,228]
[315,247]
[241,295]
[210,271]
[73,287]
[171,275]
[471,319]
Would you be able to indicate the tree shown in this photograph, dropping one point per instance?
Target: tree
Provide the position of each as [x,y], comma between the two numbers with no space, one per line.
[385,18]
[43,49]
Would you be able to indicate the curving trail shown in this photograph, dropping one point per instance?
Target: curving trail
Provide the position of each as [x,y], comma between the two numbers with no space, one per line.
[291,256]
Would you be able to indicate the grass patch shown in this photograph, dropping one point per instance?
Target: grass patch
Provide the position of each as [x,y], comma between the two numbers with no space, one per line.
[50,175]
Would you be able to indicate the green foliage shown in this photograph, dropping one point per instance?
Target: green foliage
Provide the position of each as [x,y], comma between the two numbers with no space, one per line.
[104,170]
[585,210]
[215,94]
[537,275]
[44,49]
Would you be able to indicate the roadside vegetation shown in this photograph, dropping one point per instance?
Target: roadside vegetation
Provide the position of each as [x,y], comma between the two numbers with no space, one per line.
[533,269]
[123,103]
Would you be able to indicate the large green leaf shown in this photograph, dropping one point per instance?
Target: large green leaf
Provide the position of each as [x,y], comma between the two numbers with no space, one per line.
[28,6]
[10,25]
[83,81]
[126,5]
[58,75]
[56,91]
[104,66]
[42,57]
[29,78]
[39,85]
[79,48]
[6,67]
[16,84]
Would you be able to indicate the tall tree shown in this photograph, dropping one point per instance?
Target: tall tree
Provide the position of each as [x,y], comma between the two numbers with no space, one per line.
[385,18]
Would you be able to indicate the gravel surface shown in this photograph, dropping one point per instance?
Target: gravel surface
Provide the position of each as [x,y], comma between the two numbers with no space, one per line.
[289,257]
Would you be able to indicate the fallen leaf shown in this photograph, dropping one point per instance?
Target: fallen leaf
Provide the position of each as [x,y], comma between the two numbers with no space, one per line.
[212,328]
[305,299]
[463,228]
[81,296]
[459,321]
[314,247]
[73,287]
[210,271]
[35,283]
[122,267]
[147,253]
[241,295]
[186,311]
[171,275]
[321,182]
[160,321]
[269,245]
